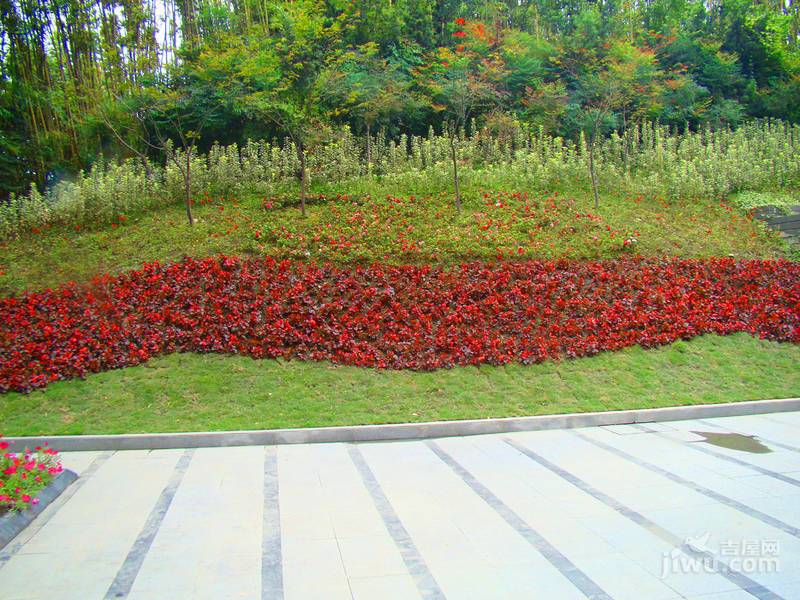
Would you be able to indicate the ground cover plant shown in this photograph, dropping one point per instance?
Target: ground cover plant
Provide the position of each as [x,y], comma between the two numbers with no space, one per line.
[24,474]
[754,200]
[416,317]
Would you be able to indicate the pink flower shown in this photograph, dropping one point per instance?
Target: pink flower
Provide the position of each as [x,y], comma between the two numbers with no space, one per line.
[35,501]
[26,498]
[10,471]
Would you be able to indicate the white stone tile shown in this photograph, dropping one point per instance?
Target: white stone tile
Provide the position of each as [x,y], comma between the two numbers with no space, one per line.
[335,543]
[737,595]
[212,531]
[510,582]
[627,429]
[48,576]
[99,524]
[629,581]
[368,556]
[388,587]
[470,537]
[313,569]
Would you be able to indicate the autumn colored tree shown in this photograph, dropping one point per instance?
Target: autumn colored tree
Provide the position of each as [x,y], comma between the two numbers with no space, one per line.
[463,80]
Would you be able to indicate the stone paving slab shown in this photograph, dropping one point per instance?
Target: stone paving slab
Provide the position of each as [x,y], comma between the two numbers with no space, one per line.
[638,511]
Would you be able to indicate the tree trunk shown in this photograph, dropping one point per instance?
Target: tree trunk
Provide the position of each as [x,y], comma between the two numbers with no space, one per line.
[187,180]
[369,152]
[301,155]
[455,170]
[591,173]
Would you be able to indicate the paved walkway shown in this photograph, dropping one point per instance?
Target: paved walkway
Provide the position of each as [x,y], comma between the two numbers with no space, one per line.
[641,512]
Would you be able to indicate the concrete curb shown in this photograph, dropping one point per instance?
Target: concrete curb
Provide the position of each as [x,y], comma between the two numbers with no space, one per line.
[403,431]
[12,524]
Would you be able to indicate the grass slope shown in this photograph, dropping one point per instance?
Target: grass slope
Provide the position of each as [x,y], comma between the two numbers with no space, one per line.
[185,392]
[427,230]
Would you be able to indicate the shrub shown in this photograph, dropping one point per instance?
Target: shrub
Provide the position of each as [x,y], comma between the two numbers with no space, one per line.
[23,475]
[414,317]
[647,159]
[749,200]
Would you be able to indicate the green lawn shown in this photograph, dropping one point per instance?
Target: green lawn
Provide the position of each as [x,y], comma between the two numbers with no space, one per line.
[202,392]
[369,230]
[185,392]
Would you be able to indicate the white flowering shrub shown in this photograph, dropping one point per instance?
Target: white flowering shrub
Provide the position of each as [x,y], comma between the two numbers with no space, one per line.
[648,158]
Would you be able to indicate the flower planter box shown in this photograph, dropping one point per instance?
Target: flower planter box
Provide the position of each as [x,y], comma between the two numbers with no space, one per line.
[13,522]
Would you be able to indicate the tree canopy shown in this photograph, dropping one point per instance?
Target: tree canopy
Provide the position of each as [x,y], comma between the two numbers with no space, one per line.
[274,68]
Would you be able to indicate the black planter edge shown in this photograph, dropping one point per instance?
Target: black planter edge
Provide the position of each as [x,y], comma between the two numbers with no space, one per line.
[12,523]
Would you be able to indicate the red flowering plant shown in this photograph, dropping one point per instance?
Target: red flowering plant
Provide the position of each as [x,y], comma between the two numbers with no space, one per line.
[400,317]
[23,475]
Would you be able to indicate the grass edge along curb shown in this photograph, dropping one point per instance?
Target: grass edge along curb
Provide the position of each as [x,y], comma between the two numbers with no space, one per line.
[12,523]
[405,431]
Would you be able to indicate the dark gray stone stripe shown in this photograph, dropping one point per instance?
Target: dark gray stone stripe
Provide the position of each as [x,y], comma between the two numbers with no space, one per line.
[739,579]
[123,582]
[51,510]
[426,583]
[567,568]
[760,437]
[731,459]
[271,550]
[722,499]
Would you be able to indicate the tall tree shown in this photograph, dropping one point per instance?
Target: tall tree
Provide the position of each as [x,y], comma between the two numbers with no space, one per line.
[622,85]
[282,81]
[463,80]
[360,84]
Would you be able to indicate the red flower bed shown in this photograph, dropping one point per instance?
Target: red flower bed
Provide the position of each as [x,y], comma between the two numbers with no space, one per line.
[393,317]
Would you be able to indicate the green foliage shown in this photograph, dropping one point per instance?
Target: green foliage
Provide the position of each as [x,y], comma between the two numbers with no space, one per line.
[358,83]
[303,68]
[647,160]
[749,200]
[401,218]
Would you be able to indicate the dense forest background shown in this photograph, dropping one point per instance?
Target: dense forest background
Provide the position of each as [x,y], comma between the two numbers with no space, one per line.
[83,79]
